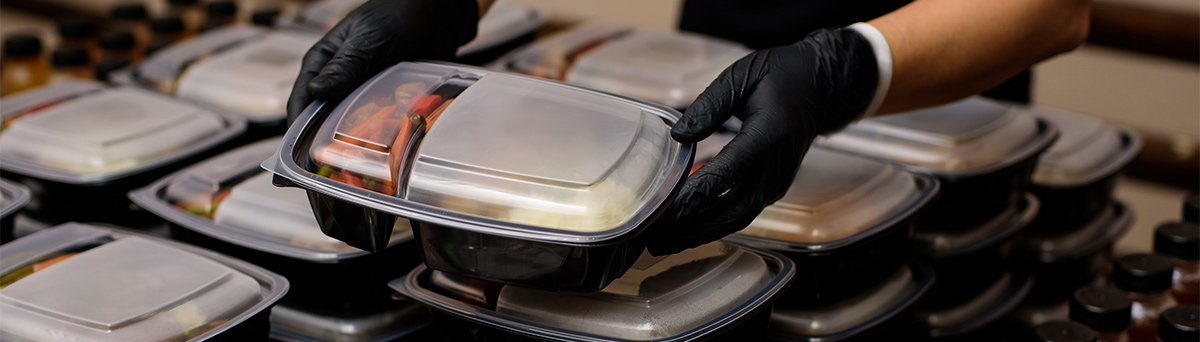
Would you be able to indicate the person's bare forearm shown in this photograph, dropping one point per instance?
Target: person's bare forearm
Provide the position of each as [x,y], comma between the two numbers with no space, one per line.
[944,50]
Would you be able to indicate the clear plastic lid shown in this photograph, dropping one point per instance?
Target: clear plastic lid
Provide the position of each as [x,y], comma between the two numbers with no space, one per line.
[676,297]
[231,198]
[1087,149]
[20,105]
[964,241]
[839,198]
[671,68]
[296,325]
[162,69]
[506,154]
[1077,243]
[83,283]
[253,78]
[552,57]
[968,137]
[503,22]
[13,197]
[110,133]
[852,315]
[321,15]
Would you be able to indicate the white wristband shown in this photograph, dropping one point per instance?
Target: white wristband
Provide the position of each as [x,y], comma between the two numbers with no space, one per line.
[883,56]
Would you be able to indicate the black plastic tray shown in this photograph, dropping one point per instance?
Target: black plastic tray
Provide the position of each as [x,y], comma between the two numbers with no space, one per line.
[1065,206]
[947,297]
[1060,272]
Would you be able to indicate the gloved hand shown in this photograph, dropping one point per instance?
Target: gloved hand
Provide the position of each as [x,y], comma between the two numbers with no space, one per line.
[377,35]
[785,96]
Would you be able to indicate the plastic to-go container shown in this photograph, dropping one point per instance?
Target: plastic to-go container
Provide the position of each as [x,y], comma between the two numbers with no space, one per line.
[1065,260]
[505,178]
[13,198]
[714,291]
[402,321]
[671,68]
[846,222]
[80,282]
[321,16]
[984,152]
[993,237]
[1075,177]
[246,70]
[227,204]
[957,309]
[81,146]
[883,311]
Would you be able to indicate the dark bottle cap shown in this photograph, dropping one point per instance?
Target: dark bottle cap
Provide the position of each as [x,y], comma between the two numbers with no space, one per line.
[116,40]
[221,8]
[22,45]
[130,12]
[1101,308]
[167,25]
[1180,240]
[1063,331]
[1143,273]
[76,27]
[1191,207]
[184,2]
[69,57]
[105,68]
[1179,324]
[264,17]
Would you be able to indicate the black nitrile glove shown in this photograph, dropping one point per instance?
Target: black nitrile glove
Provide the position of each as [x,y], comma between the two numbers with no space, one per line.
[785,96]
[377,35]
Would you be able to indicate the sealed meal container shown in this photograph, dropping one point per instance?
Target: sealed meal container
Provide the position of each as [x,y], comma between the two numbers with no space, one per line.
[957,309]
[400,321]
[984,152]
[13,198]
[1075,177]
[671,68]
[1066,259]
[712,292]
[81,146]
[846,222]
[79,282]
[505,178]
[227,204]
[992,237]
[246,70]
[883,311]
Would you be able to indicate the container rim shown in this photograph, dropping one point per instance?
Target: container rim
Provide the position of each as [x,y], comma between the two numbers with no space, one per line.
[1019,286]
[147,198]
[1131,143]
[283,165]
[409,286]
[1028,208]
[537,18]
[929,190]
[1114,226]
[233,126]
[363,323]
[274,284]
[18,196]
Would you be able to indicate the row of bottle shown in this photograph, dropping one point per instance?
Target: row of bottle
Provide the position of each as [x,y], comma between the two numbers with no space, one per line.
[86,53]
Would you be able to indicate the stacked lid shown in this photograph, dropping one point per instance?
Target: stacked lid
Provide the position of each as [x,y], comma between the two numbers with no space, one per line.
[864,315]
[82,132]
[1087,150]
[293,324]
[671,68]
[13,197]
[82,282]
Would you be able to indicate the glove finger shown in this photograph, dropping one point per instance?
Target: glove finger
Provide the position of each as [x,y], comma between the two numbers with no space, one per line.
[312,64]
[731,213]
[352,64]
[720,100]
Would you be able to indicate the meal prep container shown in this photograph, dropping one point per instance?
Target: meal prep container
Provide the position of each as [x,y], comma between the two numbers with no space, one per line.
[671,68]
[81,282]
[81,146]
[227,204]
[519,180]
[1064,260]
[883,311]
[956,309]
[714,291]
[402,321]
[986,241]
[13,198]
[1075,177]
[846,223]
[984,152]
[245,70]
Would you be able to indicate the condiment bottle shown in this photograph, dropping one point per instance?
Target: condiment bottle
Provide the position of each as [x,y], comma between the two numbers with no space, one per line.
[23,65]
[1063,331]
[132,18]
[166,31]
[1180,324]
[80,33]
[69,64]
[188,11]
[1105,310]
[118,46]
[1181,243]
[219,13]
[1146,279]
[265,17]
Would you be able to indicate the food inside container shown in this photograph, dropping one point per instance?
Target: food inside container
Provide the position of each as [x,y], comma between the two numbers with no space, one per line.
[81,282]
[878,312]
[554,56]
[713,290]
[320,16]
[163,69]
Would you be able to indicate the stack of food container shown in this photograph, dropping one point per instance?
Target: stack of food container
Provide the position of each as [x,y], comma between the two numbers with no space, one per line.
[984,154]
[80,282]
[81,146]
[13,198]
[670,68]
[227,204]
